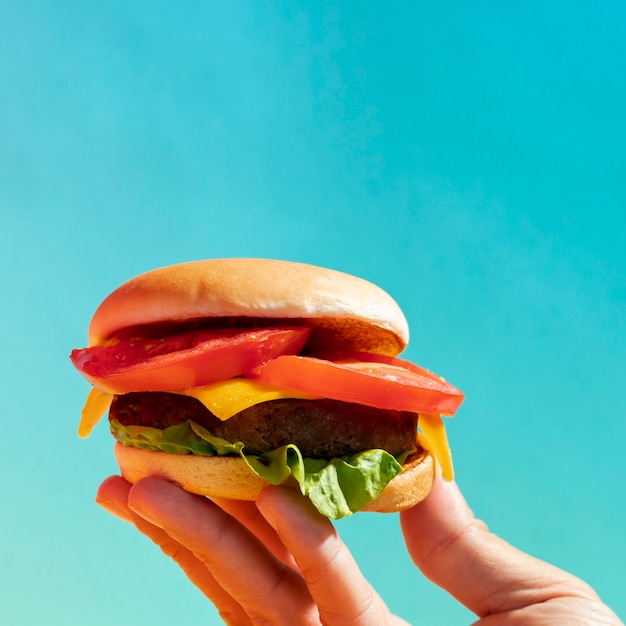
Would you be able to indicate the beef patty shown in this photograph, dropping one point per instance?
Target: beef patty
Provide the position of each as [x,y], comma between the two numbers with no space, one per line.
[320,428]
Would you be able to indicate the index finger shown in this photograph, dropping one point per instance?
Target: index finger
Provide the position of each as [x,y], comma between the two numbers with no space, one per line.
[266,589]
[249,515]
[333,578]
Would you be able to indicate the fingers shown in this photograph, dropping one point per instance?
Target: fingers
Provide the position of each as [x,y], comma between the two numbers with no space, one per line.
[113,496]
[249,515]
[267,590]
[486,574]
[334,580]
[229,563]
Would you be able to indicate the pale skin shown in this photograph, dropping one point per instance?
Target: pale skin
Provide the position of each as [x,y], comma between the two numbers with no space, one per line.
[288,566]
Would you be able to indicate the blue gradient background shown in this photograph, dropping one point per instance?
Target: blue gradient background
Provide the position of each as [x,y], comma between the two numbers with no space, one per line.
[468,157]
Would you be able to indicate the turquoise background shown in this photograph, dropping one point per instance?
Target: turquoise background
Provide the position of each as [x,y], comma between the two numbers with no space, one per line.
[467,157]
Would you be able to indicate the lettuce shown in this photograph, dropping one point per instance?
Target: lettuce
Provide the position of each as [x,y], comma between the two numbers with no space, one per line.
[337,487]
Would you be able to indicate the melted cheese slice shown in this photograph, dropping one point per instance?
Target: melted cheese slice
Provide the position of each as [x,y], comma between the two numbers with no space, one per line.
[98,403]
[434,439]
[228,397]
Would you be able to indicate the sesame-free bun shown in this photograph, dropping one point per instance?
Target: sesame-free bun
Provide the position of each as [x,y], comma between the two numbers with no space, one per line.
[343,310]
[230,477]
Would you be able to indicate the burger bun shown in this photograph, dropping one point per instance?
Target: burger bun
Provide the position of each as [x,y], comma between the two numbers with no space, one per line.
[230,477]
[342,310]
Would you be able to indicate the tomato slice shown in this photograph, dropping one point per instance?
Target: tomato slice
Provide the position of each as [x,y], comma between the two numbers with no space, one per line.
[189,359]
[352,356]
[386,385]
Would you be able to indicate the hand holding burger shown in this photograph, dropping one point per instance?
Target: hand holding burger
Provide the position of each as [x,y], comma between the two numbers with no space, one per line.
[227,375]
[287,565]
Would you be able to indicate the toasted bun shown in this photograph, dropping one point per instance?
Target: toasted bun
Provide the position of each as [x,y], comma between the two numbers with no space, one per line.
[229,477]
[343,309]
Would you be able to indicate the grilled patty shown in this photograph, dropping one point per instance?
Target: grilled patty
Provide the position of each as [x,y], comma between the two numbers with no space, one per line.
[320,428]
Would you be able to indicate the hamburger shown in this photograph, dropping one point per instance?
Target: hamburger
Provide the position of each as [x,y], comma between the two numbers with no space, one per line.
[227,375]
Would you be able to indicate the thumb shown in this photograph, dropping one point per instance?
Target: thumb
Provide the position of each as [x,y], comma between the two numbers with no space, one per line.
[486,574]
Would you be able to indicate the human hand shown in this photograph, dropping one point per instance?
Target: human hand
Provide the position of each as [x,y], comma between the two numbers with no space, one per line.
[279,562]
[499,583]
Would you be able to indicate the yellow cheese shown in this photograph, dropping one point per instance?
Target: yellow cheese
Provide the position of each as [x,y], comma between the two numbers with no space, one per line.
[98,403]
[433,437]
[226,398]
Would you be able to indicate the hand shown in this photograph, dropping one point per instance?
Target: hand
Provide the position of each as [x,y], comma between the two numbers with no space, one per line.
[279,562]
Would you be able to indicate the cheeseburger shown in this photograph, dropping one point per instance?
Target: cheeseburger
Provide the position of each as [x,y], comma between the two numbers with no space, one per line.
[227,375]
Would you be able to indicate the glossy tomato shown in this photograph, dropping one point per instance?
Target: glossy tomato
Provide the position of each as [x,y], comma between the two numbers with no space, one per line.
[185,360]
[353,356]
[386,385]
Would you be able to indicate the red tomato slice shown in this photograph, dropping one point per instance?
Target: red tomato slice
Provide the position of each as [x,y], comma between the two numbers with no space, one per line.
[186,360]
[382,385]
[351,356]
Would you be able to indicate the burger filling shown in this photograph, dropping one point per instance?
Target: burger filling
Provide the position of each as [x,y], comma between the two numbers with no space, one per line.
[341,423]
[319,428]
[341,454]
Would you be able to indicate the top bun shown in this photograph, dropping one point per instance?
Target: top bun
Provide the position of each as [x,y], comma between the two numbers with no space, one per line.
[342,309]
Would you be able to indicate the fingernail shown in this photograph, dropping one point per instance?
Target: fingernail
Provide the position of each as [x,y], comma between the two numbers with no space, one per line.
[145,514]
[112,507]
[107,505]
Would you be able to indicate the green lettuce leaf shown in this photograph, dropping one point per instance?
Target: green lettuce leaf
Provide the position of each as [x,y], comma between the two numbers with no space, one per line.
[337,487]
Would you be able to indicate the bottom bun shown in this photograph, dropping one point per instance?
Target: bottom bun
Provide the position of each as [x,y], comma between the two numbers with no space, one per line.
[230,477]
